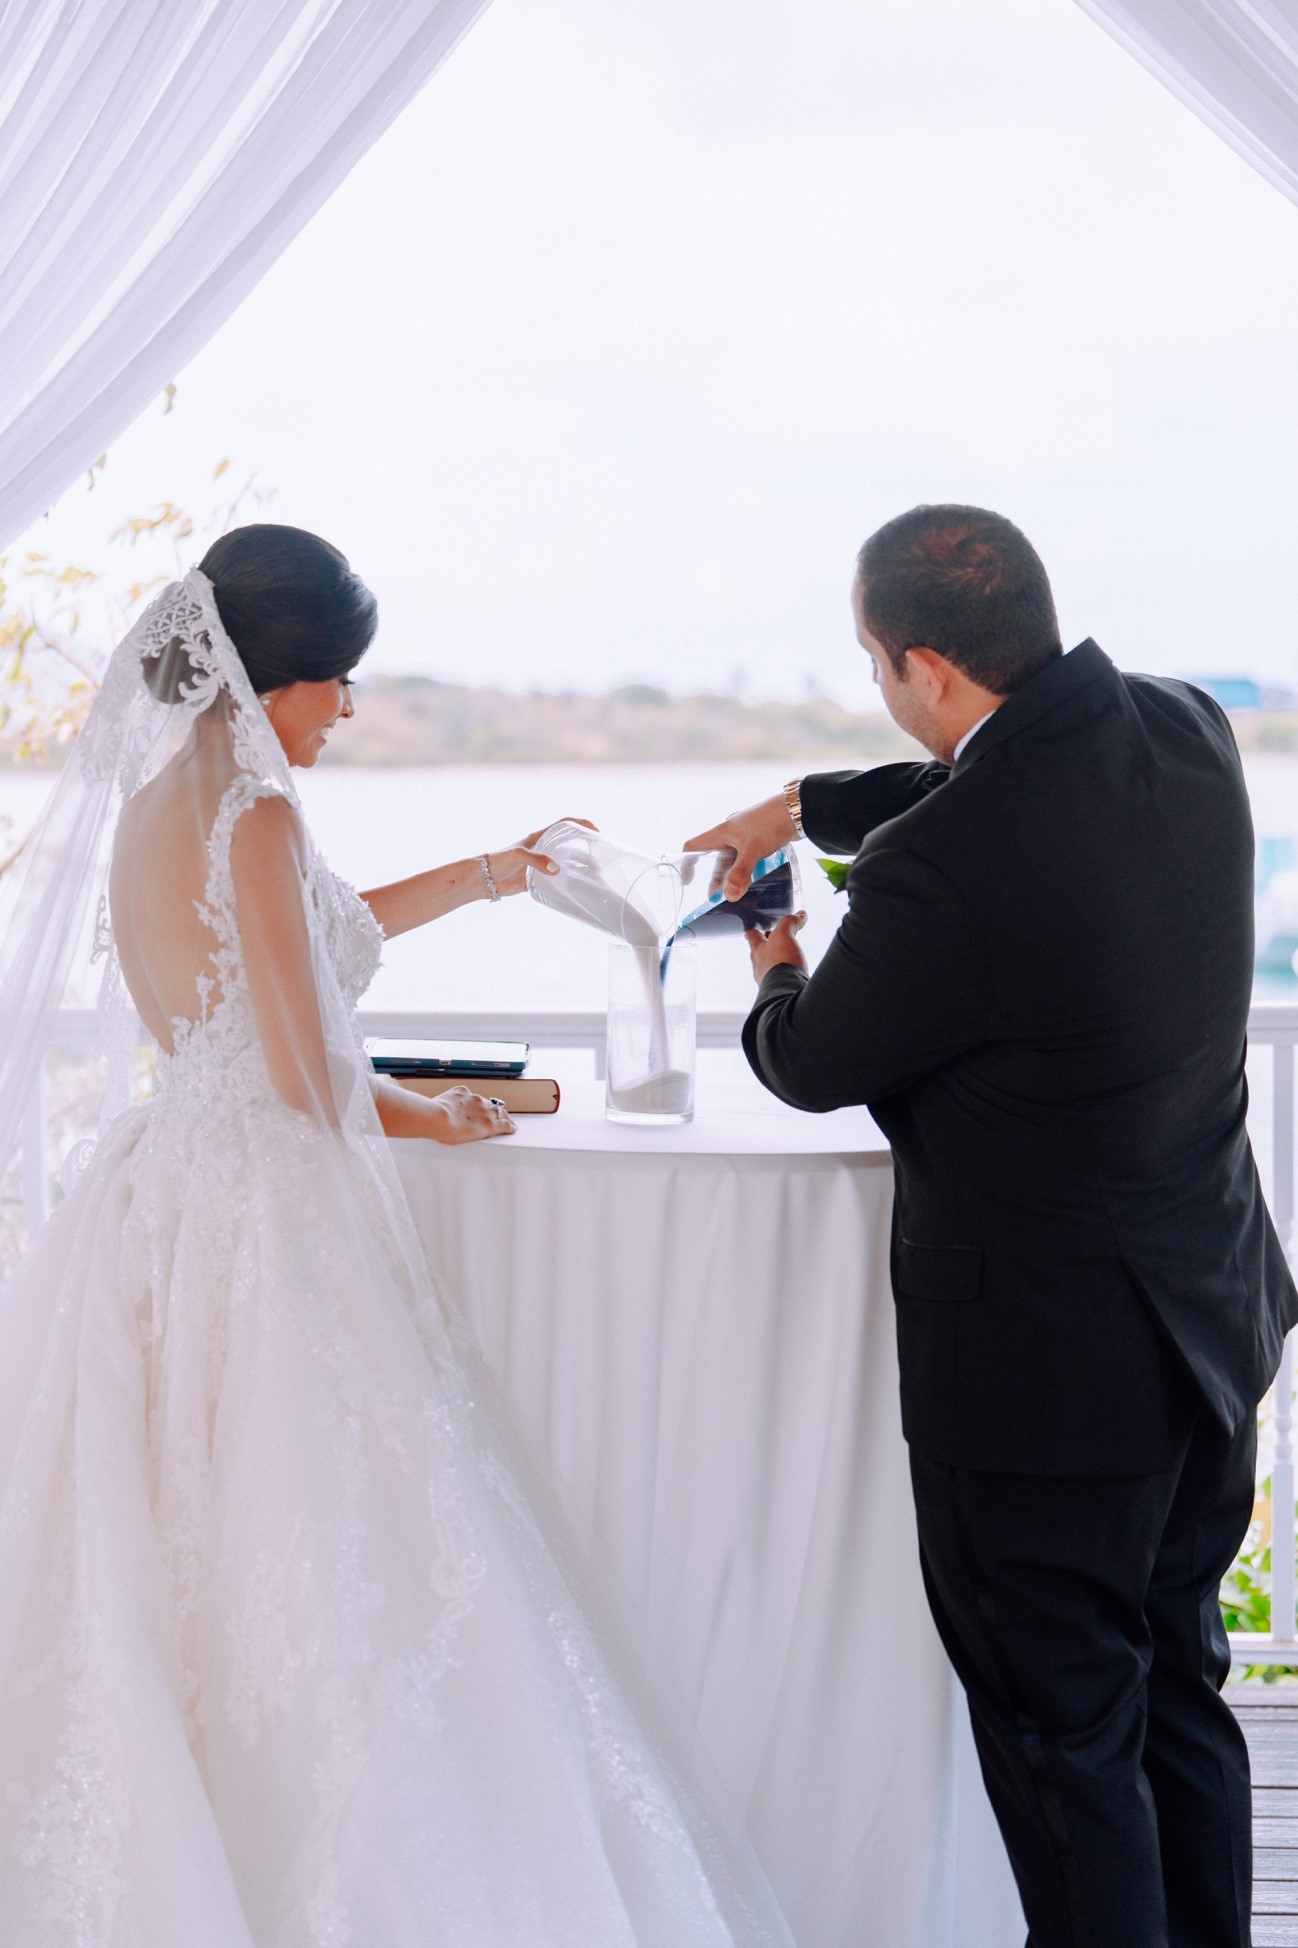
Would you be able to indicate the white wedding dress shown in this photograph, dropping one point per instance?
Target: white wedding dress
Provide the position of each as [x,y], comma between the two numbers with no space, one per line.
[286,1658]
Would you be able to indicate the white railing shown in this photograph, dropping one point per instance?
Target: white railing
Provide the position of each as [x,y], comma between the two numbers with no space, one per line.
[1272,1025]
[1275,1024]
[718,1028]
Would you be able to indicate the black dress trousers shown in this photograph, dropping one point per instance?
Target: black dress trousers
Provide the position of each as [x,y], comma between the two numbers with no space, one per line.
[1081,1614]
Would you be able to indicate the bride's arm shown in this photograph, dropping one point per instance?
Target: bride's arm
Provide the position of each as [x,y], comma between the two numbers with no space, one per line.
[412,902]
[427,896]
[267,862]
[456,1116]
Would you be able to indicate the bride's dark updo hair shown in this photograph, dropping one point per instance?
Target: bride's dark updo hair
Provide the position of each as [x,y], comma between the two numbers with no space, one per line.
[291,605]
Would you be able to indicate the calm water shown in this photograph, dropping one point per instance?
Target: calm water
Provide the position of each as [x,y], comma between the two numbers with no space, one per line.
[378,825]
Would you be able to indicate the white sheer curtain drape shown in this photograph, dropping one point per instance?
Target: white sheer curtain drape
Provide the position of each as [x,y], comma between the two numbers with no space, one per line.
[158,156]
[1234,62]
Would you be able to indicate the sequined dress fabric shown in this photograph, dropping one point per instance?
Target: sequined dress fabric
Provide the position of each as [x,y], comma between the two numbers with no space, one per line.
[286,1658]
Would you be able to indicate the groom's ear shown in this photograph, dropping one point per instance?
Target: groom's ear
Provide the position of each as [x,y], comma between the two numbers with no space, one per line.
[929,672]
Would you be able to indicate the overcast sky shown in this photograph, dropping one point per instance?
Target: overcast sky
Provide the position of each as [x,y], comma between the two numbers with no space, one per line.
[606,359]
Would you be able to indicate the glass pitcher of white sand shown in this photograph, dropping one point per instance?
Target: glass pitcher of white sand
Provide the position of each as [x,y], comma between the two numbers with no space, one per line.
[639,903]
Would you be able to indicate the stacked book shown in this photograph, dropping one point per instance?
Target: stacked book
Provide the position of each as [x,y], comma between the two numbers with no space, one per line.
[489,1068]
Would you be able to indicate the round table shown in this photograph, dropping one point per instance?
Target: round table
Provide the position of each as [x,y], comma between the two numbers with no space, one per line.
[694,1327]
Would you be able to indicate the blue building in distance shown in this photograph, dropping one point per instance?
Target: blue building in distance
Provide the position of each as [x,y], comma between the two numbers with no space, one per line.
[1245,692]
[1232,692]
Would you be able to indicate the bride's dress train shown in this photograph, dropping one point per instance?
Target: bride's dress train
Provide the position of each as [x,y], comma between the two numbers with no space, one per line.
[285,1659]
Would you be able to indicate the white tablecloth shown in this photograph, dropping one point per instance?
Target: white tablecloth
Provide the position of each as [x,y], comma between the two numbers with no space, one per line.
[695,1326]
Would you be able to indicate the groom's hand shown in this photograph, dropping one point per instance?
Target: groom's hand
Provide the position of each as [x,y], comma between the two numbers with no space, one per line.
[778,948]
[751,835]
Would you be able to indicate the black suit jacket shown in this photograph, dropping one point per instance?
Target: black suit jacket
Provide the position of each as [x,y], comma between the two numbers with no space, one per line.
[1040,989]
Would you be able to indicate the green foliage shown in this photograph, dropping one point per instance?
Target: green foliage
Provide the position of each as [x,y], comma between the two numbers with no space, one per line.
[59,621]
[644,695]
[835,871]
[1246,1588]
[40,618]
[1246,1591]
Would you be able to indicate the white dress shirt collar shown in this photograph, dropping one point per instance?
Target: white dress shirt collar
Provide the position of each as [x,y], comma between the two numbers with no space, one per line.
[973,731]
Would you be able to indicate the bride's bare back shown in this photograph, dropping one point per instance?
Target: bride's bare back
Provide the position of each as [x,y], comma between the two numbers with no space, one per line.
[157,883]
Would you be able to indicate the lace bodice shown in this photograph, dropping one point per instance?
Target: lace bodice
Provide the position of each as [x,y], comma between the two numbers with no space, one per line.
[353,937]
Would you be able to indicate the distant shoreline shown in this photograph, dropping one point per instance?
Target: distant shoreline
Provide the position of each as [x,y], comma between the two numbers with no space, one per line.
[414,720]
[411,720]
[1258,732]
[404,721]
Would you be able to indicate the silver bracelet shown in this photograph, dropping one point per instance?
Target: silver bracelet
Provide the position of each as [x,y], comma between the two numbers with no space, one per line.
[493,891]
[793,801]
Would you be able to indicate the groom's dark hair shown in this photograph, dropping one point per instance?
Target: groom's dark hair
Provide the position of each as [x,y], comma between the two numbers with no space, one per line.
[967,583]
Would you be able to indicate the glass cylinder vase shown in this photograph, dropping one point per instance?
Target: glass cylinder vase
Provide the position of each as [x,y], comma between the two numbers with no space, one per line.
[651,1033]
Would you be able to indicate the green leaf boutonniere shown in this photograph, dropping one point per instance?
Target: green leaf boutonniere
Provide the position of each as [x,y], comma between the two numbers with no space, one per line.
[835,871]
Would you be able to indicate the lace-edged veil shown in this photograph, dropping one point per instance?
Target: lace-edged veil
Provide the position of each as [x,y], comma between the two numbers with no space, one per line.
[175,667]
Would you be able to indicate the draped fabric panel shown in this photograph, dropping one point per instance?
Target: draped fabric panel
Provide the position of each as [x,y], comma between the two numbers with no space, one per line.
[158,157]
[1234,62]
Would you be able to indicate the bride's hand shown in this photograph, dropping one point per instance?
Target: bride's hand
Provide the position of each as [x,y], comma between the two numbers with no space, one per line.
[509,868]
[467,1118]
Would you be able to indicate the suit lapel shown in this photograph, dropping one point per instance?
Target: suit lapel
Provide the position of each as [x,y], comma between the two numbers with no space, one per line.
[1057,683]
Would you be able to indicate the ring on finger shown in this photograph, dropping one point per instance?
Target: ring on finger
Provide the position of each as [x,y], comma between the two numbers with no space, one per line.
[497,1103]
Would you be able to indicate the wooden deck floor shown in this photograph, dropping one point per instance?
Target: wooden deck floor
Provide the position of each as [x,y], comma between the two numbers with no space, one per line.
[1269,1715]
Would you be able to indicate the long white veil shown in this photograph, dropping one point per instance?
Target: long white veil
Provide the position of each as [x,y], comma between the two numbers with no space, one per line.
[56,947]
[172,864]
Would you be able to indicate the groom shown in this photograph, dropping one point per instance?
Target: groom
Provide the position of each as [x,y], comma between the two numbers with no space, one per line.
[1040,988]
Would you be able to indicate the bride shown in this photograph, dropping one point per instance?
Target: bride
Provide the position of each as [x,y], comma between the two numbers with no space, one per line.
[287,1657]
